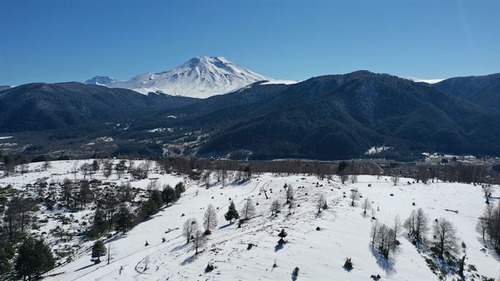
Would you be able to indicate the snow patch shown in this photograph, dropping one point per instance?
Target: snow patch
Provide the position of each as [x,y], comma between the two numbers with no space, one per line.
[376,150]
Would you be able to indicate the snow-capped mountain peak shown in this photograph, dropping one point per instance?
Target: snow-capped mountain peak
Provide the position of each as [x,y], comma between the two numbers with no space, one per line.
[100,80]
[199,77]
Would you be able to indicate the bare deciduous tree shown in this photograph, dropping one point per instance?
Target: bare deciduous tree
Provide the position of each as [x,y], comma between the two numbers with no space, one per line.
[210,219]
[354,196]
[445,237]
[354,178]
[248,210]
[395,178]
[320,203]
[289,194]
[199,241]
[275,207]
[487,189]
[366,205]
[190,227]
[417,225]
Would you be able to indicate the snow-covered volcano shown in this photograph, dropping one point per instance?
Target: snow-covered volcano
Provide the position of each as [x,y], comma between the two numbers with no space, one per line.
[199,77]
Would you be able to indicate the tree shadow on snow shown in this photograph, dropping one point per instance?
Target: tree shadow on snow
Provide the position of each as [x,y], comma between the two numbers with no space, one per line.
[177,248]
[87,266]
[386,264]
[488,248]
[189,260]
[226,225]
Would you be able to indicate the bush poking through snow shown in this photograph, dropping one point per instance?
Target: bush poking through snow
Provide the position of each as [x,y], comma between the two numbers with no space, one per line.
[282,236]
[348,266]
[210,267]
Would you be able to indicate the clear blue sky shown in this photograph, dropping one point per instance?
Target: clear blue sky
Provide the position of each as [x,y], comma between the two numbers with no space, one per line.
[73,40]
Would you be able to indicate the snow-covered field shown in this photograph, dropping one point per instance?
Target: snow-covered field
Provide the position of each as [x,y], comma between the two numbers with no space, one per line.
[320,255]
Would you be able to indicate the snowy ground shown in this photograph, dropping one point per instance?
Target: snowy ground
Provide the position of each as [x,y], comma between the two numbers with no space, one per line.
[320,255]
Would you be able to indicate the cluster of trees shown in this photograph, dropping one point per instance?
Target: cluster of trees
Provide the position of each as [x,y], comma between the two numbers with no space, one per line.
[194,234]
[489,226]
[187,165]
[18,217]
[385,238]
[113,213]
[116,208]
[444,242]
[455,172]
[33,257]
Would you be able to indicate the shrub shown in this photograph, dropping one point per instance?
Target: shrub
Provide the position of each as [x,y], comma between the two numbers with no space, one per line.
[348,264]
[210,267]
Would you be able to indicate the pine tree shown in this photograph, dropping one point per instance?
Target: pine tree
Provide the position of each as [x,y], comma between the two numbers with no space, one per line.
[125,219]
[98,250]
[34,258]
[157,197]
[99,224]
[169,195]
[232,213]
[179,189]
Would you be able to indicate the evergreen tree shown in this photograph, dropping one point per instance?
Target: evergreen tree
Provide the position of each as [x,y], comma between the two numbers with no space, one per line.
[232,213]
[179,189]
[34,258]
[169,195]
[99,224]
[95,166]
[5,266]
[149,208]
[125,219]
[98,250]
[157,197]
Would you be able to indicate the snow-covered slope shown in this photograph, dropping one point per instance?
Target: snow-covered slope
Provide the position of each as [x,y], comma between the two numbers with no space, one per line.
[319,254]
[199,77]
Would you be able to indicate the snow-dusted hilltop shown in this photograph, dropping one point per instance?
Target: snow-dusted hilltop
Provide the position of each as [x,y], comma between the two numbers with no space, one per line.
[101,80]
[199,77]
[428,81]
